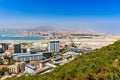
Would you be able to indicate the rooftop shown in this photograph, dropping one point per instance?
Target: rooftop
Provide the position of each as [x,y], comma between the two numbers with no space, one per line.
[44,61]
[3,66]
[26,54]
[54,41]
[30,66]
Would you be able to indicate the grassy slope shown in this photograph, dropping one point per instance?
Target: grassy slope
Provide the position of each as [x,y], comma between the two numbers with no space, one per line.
[99,64]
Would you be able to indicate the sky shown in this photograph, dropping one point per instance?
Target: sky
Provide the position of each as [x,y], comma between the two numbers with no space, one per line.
[73,15]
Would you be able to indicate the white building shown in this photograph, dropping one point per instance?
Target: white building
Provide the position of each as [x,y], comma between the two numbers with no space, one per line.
[30,69]
[18,67]
[27,56]
[54,46]
[14,68]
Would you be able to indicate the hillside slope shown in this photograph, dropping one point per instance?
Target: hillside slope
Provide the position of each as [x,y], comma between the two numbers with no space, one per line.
[100,64]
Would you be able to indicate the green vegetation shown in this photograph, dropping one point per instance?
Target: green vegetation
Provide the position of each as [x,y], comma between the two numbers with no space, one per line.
[64,50]
[73,45]
[100,64]
[27,43]
[1,61]
[9,59]
[3,70]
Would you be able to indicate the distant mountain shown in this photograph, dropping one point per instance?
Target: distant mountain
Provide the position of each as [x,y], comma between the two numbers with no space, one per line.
[43,28]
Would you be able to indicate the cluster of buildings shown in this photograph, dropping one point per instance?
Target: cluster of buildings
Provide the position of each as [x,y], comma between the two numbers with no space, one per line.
[38,60]
[12,48]
[73,49]
[34,60]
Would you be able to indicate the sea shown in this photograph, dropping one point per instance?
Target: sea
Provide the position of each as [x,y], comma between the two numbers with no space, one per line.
[21,38]
[16,36]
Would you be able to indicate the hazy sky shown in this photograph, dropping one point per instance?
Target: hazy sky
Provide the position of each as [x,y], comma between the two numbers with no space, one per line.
[93,15]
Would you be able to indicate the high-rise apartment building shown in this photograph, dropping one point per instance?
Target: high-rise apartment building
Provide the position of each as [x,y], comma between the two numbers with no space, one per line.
[17,48]
[54,46]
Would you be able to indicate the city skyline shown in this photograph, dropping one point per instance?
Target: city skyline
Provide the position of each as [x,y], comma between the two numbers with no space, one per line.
[76,15]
